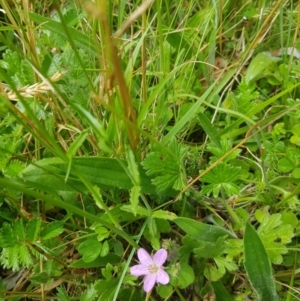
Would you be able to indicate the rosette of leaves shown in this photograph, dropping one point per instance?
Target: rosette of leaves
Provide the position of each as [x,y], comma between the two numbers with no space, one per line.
[166,165]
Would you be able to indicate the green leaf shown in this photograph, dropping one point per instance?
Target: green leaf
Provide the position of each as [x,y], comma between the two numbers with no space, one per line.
[102,232]
[258,266]
[221,292]
[200,231]
[135,193]
[221,177]
[106,288]
[285,165]
[89,294]
[90,249]
[8,237]
[226,146]
[209,129]
[274,235]
[81,40]
[210,249]
[185,276]
[62,295]
[76,144]
[33,229]
[103,172]
[165,215]
[261,62]
[296,173]
[104,249]
[98,262]
[40,278]
[52,230]
[167,167]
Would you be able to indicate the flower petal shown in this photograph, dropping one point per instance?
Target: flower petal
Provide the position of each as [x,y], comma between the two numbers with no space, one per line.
[149,282]
[160,257]
[144,257]
[162,277]
[139,270]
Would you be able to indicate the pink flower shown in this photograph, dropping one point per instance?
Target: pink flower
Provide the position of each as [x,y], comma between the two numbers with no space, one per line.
[151,268]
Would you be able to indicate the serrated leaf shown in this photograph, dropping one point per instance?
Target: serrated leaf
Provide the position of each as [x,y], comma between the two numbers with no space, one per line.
[221,177]
[106,288]
[258,266]
[135,193]
[8,237]
[52,230]
[13,169]
[62,295]
[33,228]
[25,258]
[218,152]
[19,230]
[166,167]
[40,278]
[89,294]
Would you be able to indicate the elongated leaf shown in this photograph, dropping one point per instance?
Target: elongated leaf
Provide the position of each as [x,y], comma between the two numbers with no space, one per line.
[209,129]
[200,231]
[103,172]
[98,262]
[55,201]
[258,266]
[221,292]
[76,144]
[33,228]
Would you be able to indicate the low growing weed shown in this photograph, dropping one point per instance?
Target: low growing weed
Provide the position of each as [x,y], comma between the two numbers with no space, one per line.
[158,140]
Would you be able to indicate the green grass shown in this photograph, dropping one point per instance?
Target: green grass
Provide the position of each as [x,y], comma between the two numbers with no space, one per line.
[165,124]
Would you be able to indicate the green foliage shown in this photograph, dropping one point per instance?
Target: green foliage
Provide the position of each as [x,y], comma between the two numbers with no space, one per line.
[107,158]
[166,167]
[275,235]
[258,266]
[221,178]
[17,241]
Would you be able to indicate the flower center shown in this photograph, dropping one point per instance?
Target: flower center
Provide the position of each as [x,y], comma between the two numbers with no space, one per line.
[152,269]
